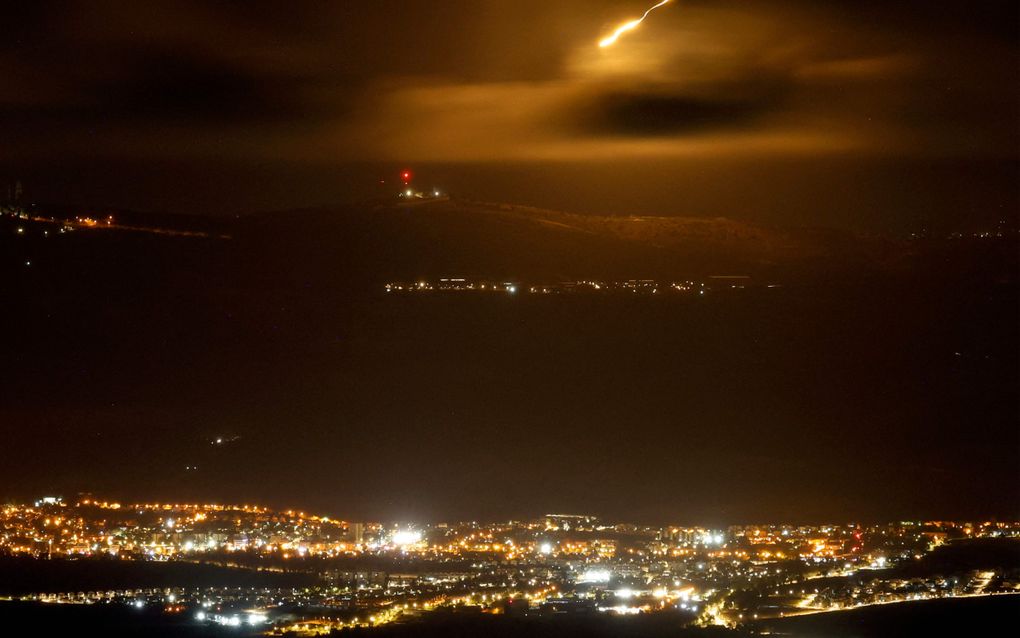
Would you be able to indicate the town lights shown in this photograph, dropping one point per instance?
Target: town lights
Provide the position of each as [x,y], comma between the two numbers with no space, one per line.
[406,537]
[257,619]
[594,576]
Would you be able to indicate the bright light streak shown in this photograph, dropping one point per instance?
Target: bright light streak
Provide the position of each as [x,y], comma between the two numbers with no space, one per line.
[622,609]
[629,26]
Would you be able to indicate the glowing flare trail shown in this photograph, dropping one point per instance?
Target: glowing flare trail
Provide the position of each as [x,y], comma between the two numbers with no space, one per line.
[629,26]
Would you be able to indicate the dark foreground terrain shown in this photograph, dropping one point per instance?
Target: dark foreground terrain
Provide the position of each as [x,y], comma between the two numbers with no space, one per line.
[987,616]
[990,616]
[22,576]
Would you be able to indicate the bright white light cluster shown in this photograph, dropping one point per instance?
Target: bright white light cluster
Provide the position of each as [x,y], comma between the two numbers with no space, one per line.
[594,576]
[253,618]
[406,537]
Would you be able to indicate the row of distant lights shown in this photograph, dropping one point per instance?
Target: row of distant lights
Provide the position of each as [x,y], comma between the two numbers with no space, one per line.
[254,619]
[510,288]
[235,620]
[410,193]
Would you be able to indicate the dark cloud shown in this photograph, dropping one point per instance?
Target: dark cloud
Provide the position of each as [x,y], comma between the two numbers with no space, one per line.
[654,112]
[174,86]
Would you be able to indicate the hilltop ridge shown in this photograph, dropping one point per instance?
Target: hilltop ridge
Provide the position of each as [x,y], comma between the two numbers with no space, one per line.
[509,240]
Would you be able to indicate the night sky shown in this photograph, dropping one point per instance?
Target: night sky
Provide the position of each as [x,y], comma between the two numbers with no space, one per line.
[895,114]
[886,396]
